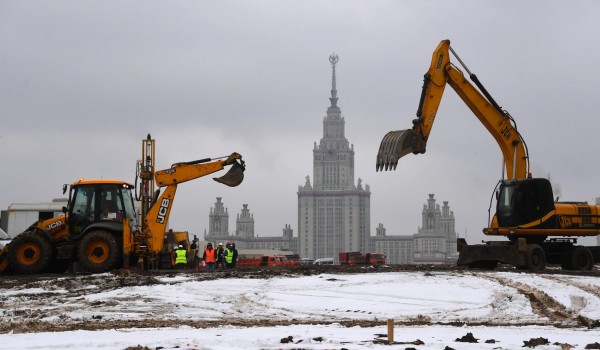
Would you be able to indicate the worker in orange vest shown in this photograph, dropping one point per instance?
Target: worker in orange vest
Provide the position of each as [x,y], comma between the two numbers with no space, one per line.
[210,257]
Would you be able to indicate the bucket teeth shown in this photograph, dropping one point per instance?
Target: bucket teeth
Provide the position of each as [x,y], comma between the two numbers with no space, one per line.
[233,177]
[395,145]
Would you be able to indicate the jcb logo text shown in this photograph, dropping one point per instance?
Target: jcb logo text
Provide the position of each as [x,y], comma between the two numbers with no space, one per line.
[162,211]
[54,225]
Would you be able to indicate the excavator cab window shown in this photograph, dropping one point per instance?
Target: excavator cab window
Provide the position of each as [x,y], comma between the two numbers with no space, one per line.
[116,203]
[100,202]
[504,209]
[524,201]
[130,212]
[111,207]
[82,207]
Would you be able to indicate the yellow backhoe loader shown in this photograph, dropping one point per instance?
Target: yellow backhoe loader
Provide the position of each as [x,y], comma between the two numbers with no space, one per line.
[100,229]
[526,212]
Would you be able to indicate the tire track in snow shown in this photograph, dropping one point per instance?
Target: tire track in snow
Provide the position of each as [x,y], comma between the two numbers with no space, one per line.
[594,290]
[544,305]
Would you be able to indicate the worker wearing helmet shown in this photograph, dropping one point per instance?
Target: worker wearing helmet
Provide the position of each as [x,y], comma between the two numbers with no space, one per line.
[228,255]
[180,258]
[220,258]
[209,257]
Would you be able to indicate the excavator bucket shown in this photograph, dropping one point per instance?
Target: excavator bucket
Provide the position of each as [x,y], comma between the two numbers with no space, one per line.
[234,176]
[395,145]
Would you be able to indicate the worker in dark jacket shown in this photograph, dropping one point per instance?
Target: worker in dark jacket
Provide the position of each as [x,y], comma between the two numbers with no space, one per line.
[235,255]
[220,257]
[194,260]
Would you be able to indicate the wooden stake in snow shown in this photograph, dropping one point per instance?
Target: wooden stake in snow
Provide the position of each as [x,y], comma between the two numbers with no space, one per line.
[390,324]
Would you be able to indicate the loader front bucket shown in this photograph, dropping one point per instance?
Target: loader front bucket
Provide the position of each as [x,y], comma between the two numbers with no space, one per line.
[395,145]
[234,176]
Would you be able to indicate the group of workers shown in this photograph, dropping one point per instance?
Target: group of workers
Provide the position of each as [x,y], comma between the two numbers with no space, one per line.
[211,258]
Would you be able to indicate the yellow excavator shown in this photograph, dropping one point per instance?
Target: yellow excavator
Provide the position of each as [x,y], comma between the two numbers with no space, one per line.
[539,229]
[100,229]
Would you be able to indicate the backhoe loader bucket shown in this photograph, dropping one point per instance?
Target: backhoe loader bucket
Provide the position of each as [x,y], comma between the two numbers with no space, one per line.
[395,145]
[234,176]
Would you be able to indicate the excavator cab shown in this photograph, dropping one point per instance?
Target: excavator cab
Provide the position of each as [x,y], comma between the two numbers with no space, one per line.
[101,204]
[521,202]
[96,215]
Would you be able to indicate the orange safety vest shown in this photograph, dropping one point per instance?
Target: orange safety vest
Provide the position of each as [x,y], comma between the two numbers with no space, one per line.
[210,256]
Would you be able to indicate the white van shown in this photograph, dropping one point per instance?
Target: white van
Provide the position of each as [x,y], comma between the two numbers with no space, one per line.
[323,261]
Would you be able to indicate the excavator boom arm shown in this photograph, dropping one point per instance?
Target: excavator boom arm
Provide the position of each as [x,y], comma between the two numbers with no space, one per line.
[398,143]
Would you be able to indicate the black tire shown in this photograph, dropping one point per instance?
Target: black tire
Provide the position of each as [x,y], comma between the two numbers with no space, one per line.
[29,253]
[581,259]
[536,259]
[484,265]
[98,251]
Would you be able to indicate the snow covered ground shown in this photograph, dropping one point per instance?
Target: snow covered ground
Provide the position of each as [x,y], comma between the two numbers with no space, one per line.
[322,311]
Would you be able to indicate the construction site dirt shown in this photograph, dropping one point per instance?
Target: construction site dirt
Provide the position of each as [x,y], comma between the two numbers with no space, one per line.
[35,303]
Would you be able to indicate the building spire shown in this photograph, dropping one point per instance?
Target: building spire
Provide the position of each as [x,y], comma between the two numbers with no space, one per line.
[333,59]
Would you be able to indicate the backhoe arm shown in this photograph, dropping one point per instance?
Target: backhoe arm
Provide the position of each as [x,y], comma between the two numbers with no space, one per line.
[155,222]
[398,143]
[182,172]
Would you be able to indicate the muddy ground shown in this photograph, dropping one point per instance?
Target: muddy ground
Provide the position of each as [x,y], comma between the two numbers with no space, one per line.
[18,320]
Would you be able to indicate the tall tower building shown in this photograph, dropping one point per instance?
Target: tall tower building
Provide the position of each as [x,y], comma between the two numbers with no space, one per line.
[218,220]
[435,242]
[244,224]
[333,212]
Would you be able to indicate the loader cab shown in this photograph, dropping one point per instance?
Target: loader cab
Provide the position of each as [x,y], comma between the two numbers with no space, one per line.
[523,201]
[101,204]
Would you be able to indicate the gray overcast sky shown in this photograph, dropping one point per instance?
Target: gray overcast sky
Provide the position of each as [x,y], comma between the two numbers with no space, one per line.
[83,82]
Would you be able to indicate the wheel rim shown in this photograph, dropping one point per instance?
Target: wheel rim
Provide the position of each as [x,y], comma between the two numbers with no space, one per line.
[97,252]
[536,259]
[28,253]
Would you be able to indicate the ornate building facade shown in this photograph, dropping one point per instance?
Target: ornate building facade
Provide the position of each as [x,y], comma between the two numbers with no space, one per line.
[244,236]
[244,224]
[398,249]
[333,211]
[218,219]
[434,242]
